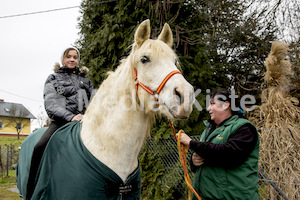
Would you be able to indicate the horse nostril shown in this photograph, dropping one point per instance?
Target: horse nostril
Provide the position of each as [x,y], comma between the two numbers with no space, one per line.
[178,96]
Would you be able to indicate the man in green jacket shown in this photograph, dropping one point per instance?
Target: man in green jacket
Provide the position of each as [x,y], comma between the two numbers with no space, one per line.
[225,160]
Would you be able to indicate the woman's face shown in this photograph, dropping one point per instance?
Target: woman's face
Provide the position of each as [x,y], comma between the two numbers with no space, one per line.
[70,60]
[217,110]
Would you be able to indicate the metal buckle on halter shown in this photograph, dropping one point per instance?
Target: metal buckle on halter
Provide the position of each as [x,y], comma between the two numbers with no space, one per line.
[149,90]
[155,95]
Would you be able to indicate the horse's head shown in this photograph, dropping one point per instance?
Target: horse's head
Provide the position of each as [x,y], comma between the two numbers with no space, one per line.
[160,86]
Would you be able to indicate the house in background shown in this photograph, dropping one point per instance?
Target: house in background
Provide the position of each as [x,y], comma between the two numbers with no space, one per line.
[15,119]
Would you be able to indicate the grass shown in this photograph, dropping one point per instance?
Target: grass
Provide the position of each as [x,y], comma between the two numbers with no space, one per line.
[11,140]
[7,182]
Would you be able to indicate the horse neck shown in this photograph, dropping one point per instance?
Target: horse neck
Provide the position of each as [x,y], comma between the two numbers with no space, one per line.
[115,135]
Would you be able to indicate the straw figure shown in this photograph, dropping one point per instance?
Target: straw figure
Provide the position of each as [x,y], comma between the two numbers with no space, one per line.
[277,118]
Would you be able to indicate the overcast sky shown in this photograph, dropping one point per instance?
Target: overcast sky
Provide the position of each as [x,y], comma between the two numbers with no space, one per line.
[30,45]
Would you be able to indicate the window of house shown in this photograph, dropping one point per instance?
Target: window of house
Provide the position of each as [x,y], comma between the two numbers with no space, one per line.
[1,125]
[19,125]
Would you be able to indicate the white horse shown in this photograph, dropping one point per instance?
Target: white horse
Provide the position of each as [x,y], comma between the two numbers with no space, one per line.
[146,84]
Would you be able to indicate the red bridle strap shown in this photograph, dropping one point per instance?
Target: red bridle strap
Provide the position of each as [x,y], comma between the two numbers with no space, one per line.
[160,87]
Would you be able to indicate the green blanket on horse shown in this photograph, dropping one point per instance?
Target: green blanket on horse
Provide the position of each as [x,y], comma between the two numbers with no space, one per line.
[69,171]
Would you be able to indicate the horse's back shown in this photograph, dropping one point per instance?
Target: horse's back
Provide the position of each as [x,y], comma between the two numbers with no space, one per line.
[24,162]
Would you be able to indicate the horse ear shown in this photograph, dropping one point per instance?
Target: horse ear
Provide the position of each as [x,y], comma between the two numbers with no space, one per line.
[142,33]
[166,35]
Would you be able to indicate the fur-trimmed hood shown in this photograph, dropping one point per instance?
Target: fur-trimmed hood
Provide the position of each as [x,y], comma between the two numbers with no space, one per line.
[83,70]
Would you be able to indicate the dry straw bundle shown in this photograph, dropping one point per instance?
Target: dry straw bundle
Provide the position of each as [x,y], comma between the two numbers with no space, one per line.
[277,118]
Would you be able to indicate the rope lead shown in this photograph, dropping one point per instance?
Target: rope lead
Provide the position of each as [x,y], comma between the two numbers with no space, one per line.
[182,151]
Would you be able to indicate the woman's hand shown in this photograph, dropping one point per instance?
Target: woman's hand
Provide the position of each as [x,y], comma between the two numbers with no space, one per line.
[197,160]
[184,139]
[77,117]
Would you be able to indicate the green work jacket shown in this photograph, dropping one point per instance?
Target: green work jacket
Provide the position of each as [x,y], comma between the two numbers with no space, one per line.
[216,183]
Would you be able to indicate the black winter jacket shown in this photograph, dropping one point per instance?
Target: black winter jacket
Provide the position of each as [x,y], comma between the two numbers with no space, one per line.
[67,93]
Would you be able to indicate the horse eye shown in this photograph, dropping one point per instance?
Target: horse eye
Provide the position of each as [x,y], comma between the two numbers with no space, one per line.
[145,59]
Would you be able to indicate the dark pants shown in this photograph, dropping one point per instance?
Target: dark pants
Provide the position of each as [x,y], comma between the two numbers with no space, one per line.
[37,154]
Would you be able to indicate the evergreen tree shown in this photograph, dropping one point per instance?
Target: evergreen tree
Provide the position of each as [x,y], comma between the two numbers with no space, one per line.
[107,29]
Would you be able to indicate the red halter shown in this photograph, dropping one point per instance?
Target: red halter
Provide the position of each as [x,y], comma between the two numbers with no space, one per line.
[160,87]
